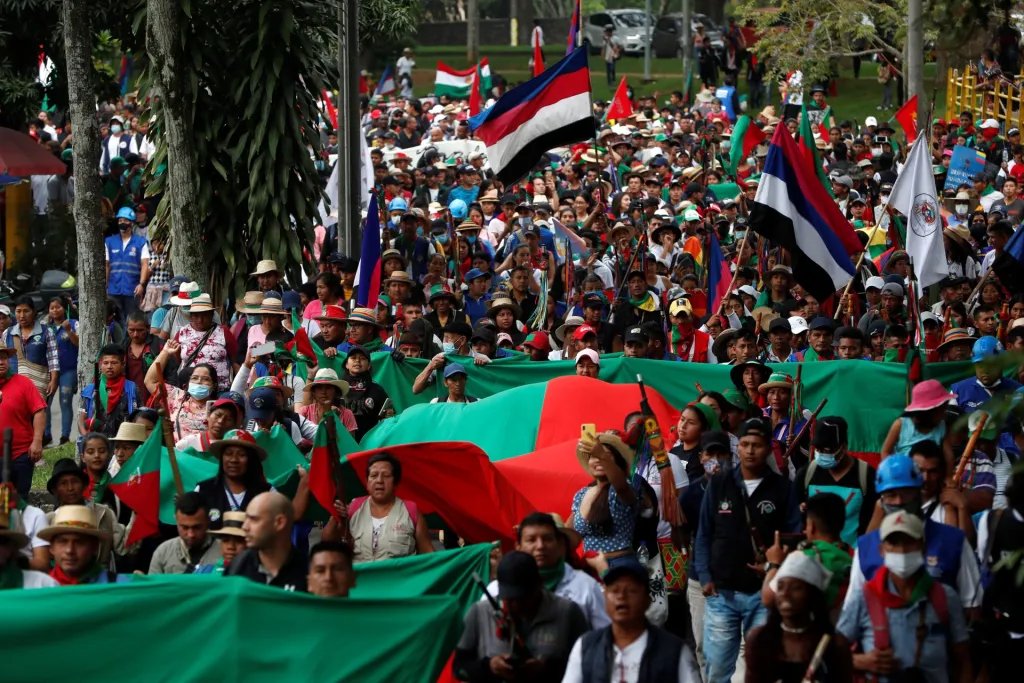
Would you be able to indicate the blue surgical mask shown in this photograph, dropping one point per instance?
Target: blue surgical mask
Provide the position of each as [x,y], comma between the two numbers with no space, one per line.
[471,239]
[200,392]
[419,231]
[254,320]
[448,347]
[115,129]
[825,461]
[441,239]
[712,467]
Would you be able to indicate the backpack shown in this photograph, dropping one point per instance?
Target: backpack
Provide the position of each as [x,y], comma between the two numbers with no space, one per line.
[410,506]
[862,475]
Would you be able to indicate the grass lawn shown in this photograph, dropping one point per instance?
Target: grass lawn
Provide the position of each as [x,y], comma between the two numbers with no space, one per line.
[856,99]
[50,455]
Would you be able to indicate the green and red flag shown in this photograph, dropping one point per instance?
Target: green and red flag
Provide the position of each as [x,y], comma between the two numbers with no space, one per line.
[746,136]
[810,150]
[145,483]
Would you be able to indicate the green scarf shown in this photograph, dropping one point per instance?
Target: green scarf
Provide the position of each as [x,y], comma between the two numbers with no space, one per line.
[552,575]
[100,487]
[646,302]
[836,558]
[373,345]
[11,576]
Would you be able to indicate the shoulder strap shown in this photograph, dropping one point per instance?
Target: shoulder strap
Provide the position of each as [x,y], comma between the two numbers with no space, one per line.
[356,503]
[862,476]
[199,347]
[992,522]
[937,596]
[879,620]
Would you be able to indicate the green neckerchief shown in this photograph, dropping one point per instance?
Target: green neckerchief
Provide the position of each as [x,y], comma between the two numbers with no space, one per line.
[100,487]
[11,576]
[835,558]
[552,575]
[810,355]
[645,302]
[373,345]
[101,393]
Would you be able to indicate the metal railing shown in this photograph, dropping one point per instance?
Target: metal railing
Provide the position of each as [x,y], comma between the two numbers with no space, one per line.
[999,98]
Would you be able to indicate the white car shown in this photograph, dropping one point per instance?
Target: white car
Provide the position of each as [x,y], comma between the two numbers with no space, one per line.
[630,29]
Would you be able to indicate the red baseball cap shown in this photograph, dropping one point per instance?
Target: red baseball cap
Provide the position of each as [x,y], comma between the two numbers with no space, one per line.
[582,331]
[538,340]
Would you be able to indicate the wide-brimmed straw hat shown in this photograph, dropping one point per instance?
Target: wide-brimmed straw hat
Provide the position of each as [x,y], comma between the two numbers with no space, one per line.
[571,323]
[73,519]
[954,336]
[499,304]
[265,266]
[326,377]
[400,276]
[130,432]
[363,316]
[238,437]
[201,304]
[17,538]
[186,293]
[272,306]
[250,303]
[231,524]
[614,442]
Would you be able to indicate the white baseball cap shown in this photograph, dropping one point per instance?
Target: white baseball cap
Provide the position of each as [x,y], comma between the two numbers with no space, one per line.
[871,121]
[874,281]
[798,325]
[588,353]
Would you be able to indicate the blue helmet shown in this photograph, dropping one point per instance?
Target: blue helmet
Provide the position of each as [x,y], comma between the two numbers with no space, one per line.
[398,204]
[126,212]
[985,348]
[898,471]
[458,208]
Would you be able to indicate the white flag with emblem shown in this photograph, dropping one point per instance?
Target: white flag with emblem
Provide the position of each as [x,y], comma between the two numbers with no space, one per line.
[913,195]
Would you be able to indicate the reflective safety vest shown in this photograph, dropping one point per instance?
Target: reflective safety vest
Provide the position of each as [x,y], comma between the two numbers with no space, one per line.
[125,264]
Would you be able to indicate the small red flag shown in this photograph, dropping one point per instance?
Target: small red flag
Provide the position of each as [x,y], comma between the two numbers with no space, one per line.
[474,93]
[907,116]
[538,54]
[621,107]
[332,113]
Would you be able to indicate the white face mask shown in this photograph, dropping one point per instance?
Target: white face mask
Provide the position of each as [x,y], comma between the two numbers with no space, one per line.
[961,209]
[884,198]
[904,564]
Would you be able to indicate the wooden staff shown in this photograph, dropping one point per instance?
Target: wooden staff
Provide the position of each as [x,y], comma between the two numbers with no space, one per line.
[860,261]
[819,655]
[792,447]
[969,450]
[794,403]
[165,421]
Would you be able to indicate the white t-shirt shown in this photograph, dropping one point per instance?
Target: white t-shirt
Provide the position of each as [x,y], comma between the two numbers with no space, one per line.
[31,521]
[752,485]
[124,243]
[653,476]
[405,65]
[33,579]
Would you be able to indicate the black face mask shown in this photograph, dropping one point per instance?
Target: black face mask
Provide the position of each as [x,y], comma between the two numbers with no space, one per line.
[911,507]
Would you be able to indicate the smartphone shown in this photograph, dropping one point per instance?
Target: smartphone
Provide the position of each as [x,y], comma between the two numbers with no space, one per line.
[264,349]
[588,432]
[791,541]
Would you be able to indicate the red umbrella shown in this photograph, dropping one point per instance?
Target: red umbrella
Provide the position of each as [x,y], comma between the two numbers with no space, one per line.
[20,155]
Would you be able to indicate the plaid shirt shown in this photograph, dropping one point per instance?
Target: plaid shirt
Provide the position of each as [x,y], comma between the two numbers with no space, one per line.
[52,357]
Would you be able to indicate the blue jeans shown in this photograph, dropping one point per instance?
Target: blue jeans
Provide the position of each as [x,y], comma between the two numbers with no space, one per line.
[728,617]
[21,474]
[67,384]
[609,68]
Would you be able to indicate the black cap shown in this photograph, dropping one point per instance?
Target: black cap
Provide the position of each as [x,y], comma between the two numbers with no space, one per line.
[484,334]
[336,257]
[593,300]
[518,576]
[627,566]
[459,328]
[715,440]
[755,426]
[779,325]
[635,334]
[830,433]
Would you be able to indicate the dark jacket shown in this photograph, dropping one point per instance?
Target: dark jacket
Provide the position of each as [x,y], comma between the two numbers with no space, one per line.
[660,661]
[725,539]
[212,491]
[365,399]
[291,577]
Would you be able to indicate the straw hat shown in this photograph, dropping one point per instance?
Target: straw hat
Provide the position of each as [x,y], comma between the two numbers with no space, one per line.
[954,336]
[499,304]
[467,226]
[332,312]
[571,323]
[400,276]
[130,432]
[5,349]
[272,306]
[18,539]
[265,266]
[186,293]
[73,519]
[392,254]
[250,303]
[237,437]
[231,524]
[325,377]
[201,304]
[490,196]
[363,316]
[616,444]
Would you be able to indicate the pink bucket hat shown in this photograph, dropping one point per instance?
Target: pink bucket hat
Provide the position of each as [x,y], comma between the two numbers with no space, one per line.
[928,395]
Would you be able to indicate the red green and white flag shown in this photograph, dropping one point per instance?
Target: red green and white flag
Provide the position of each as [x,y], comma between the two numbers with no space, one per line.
[745,137]
[145,483]
[457,83]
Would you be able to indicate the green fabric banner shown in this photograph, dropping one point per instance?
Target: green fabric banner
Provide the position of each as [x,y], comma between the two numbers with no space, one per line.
[226,629]
[870,395]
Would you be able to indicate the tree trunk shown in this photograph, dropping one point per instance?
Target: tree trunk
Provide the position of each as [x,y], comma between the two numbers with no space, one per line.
[92,278]
[164,28]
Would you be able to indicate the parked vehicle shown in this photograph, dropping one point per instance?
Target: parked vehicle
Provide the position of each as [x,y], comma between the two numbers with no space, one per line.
[630,28]
[667,40]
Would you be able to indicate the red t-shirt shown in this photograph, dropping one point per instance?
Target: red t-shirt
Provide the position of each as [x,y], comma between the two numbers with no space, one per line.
[19,402]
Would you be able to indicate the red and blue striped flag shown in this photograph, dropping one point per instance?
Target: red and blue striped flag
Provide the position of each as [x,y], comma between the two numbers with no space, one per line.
[548,111]
[575,29]
[368,275]
[124,74]
[719,275]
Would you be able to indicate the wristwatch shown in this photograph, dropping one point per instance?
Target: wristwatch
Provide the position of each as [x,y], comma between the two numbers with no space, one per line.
[768,566]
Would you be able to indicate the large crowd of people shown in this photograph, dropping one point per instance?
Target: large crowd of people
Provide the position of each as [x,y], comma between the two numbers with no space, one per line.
[790,559]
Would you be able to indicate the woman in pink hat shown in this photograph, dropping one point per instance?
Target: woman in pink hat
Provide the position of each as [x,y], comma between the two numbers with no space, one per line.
[924,419]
